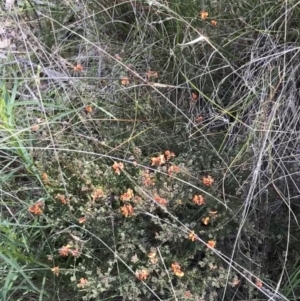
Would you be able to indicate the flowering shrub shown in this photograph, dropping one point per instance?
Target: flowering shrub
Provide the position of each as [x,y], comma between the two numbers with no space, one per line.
[133,228]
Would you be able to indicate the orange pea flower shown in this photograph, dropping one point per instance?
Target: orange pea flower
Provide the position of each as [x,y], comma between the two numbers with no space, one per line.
[78,68]
[199,119]
[160,200]
[117,167]
[75,253]
[199,200]
[37,208]
[213,22]
[152,254]
[169,155]
[177,269]
[173,169]
[205,220]
[127,195]
[175,266]
[203,14]
[124,81]
[64,250]
[88,109]
[82,283]
[62,199]
[45,178]
[192,236]
[127,210]
[211,244]
[208,181]
[97,194]
[81,220]
[142,274]
[158,160]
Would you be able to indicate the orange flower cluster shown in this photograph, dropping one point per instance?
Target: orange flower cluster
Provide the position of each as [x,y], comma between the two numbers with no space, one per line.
[127,210]
[127,196]
[205,220]
[82,283]
[173,169]
[199,200]
[142,274]
[97,194]
[192,236]
[88,109]
[169,155]
[213,22]
[212,216]
[211,244]
[62,199]
[203,14]
[117,167]
[81,220]
[45,178]
[161,159]
[208,181]
[37,208]
[160,200]
[176,268]
[124,81]
[78,68]
[66,250]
